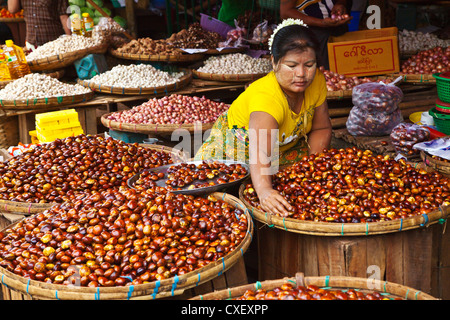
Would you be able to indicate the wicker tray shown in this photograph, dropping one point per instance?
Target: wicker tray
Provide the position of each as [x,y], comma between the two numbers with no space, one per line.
[63,60]
[344,229]
[389,290]
[228,77]
[156,91]
[27,208]
[158,289]
[42,103]
[158,57]
[438,165]
[158,129]
[415,78]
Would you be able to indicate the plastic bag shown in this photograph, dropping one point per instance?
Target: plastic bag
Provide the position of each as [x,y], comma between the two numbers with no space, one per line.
[405,135]
[236,36]
[362,123]
[375,109]
[262,32]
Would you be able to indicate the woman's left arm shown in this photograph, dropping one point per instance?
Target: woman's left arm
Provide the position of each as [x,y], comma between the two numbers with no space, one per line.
[319,137]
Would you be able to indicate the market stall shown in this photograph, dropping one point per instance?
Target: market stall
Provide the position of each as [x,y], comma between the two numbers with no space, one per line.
[96,212]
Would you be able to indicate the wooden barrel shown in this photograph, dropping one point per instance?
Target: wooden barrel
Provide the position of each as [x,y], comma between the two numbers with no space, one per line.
[18,287]
[388,290]
[414,252]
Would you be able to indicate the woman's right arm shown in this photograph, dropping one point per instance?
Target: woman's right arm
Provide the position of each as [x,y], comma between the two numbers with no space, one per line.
[262,137]
[14,6]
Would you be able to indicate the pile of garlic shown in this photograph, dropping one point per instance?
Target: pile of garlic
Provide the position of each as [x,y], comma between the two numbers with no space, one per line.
[64,44]
[135,76]
[414,41]
[236,63]
[37,85]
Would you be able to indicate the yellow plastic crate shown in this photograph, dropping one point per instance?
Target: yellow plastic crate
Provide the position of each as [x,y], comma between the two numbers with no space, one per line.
[57,118]
[33,135]
[59,134]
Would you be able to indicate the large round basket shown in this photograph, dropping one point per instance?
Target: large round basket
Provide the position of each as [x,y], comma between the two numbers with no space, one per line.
[345,229]
[387,289]
[27,208]
[158,57]
[228,77]
[155,91]
[63,60]
[154,129]
[396,251]
[415,78]
[436,164]
[166,288]
[43,103]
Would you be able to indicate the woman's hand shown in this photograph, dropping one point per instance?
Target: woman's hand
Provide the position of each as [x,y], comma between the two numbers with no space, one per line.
[272,201]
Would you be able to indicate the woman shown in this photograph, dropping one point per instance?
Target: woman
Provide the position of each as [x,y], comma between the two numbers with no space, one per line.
[285,110]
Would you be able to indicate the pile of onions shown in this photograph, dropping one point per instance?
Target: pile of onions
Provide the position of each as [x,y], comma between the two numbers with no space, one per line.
[336,81]
[428,61]
[173,109]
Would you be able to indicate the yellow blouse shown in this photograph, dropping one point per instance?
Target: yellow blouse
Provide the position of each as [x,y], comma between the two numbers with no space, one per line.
[265,95]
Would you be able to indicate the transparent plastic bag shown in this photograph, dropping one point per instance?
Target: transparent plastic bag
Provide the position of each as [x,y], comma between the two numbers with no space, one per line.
[377,96]
[405,135]
[362,123]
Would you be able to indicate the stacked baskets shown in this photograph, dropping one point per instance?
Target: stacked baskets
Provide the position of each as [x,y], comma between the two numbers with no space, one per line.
[441,113]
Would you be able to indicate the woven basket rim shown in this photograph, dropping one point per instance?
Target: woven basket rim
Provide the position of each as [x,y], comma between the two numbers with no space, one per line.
[41,103]
[163,129]
[155,91]
[153,290]
[228,77]
[327,282]
[66,55]
[344,229]
[157,57]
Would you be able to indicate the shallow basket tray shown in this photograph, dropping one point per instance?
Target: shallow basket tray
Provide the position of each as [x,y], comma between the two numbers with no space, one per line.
[158,57]
[42,103]
[344,229]
[63,60]
[415,78]
[228,77]
[387,289]
[27,208]
[156,91]
[154,290]
[436,164]
[158,129]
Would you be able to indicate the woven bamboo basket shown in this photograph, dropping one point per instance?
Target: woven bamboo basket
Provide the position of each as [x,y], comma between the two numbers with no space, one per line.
[156,91]
[63,60]
[27,208]
[345,229]
[158,57]
[228,77]
[436,164]
[166,288]
[159,129]
[415,78]
[389,290]
[43,103]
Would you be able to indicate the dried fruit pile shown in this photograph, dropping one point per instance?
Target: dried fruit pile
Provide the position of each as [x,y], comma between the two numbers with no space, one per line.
[59,170]
[311,292]
[122,237]
[351,185]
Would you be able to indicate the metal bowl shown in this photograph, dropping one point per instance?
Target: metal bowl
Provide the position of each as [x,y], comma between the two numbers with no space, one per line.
[195,191]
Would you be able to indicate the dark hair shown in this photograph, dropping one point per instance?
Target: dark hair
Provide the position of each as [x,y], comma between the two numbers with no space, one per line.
[293,37]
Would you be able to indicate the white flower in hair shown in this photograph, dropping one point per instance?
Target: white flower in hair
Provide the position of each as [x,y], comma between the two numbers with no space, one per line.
[285,23]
